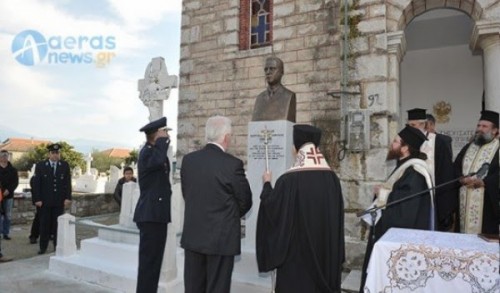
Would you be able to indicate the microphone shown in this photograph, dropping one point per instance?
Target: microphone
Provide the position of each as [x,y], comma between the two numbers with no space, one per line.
[481,172]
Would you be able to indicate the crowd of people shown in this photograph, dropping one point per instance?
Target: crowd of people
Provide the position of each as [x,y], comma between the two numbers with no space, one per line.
[300,224]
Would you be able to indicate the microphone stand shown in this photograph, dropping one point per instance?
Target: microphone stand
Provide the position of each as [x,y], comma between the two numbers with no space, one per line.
[373,211]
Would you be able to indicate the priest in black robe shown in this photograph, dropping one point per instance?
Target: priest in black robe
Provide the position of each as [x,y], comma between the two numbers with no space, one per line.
[440,163]
[479,198]
[410,177]
[300,226]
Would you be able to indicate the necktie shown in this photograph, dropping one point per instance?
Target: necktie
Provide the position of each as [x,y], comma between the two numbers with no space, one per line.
[54,168]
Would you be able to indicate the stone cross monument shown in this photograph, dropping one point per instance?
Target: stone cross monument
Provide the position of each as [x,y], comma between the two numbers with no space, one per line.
[155,87]
[88,160]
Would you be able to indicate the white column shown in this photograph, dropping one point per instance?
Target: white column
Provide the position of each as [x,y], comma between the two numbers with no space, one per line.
[396,49]
[491,68]
[486,36]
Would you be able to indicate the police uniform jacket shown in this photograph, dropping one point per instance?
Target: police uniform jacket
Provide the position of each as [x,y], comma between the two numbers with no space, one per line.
[154,169]
[51,189]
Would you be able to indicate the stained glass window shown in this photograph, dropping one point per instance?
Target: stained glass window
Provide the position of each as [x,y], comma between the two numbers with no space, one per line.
[256,28]
[260,23]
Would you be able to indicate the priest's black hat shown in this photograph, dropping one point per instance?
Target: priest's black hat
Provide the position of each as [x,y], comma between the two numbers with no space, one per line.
[303,133]
[153,126]
[412,136]
[417,114]
[55,147]
[491,116]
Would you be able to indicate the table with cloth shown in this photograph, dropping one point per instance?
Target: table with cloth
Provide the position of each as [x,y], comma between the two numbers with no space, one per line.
[407,260]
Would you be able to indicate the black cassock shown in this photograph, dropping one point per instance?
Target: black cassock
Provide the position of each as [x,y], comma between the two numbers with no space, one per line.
[300,231]
[446,196]
[411,214]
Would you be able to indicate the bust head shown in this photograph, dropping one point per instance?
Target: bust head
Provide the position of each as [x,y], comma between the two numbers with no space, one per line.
[273,70]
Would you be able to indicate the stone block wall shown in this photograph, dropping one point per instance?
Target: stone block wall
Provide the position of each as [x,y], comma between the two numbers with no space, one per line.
[83,205]
[216,77]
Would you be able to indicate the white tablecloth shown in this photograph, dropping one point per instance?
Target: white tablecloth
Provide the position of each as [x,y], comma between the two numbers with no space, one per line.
[405,260]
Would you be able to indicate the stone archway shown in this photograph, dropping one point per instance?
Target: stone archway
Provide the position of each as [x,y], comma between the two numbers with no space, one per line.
[485,37]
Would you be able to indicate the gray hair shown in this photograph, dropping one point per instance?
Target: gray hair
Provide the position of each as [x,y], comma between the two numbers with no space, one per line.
[216,128]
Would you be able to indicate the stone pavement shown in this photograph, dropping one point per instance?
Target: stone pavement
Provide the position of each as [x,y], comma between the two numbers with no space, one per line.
[28,272]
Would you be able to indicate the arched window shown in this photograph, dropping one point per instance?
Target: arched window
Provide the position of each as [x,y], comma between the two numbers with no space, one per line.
[255,23]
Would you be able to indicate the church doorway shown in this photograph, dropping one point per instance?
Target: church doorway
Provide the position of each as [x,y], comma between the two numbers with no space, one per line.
[439,72]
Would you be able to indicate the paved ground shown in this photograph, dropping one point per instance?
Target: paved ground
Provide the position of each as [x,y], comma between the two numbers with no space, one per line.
[28,271]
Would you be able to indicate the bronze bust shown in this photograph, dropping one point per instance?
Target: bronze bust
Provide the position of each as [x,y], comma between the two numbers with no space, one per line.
[276,102]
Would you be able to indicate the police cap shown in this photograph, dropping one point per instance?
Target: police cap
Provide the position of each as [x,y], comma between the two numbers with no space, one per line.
[153,126]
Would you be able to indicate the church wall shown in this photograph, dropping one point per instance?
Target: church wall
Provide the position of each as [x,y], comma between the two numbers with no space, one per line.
[217,78]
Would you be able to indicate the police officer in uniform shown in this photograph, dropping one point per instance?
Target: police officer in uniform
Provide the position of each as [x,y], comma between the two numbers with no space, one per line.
[152,213]
[51,193]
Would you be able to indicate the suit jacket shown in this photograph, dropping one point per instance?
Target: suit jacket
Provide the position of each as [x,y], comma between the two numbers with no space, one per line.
[217,195]
[280,106]
[154,183]
[49,189]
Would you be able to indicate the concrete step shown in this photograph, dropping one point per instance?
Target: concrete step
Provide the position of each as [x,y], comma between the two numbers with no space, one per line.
[119,254]
[352,281]
[93,271]
[121,235]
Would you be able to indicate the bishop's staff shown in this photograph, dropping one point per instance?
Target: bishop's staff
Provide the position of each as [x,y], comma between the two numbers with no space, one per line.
[266,136]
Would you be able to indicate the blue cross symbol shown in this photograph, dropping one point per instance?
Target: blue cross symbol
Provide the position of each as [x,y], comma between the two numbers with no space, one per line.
[260,29]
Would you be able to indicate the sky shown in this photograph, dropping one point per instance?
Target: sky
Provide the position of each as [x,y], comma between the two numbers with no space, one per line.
[58,99]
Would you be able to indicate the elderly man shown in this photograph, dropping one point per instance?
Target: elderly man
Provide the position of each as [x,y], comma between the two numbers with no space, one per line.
[217,195]
[300,225]
[439,161]
[479,198]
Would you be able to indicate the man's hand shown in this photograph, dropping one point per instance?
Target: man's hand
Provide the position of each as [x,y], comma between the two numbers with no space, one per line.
[67,203]
[267,177]
[472,182]
[6,192]
[376,190]
[38,204]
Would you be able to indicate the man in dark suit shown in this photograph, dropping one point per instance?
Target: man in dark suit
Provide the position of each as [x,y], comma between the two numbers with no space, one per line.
[51,193]
[217,195]
[152,213]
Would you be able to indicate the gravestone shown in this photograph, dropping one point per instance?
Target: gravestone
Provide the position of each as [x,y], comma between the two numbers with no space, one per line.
[90,182]
[114,175]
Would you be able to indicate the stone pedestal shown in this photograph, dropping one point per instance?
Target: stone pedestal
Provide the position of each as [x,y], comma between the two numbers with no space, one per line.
[111,259]
[280,145]
[66,237]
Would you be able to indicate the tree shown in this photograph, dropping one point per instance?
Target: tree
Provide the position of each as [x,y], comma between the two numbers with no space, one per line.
[132,157]
[103,162]
[40,153]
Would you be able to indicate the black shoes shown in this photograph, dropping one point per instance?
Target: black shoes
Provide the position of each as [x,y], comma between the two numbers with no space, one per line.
[6,237]
[32,240]
[41,251]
